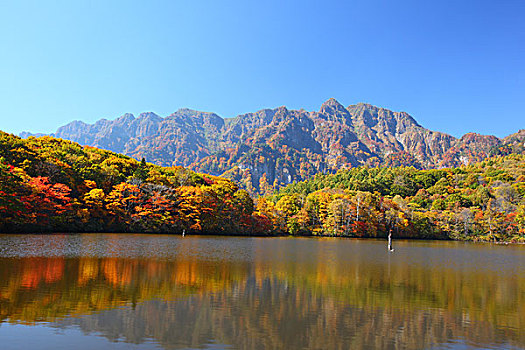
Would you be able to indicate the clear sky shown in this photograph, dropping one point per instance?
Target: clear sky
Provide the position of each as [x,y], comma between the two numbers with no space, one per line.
[455,66]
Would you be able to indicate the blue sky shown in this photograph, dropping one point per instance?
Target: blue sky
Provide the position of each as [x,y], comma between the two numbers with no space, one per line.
[455,66]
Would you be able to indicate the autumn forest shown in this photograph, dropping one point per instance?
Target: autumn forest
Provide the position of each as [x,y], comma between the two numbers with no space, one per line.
[53,185]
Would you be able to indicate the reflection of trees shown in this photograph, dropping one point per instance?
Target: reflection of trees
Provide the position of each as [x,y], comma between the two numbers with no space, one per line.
[273,315]
[289,301]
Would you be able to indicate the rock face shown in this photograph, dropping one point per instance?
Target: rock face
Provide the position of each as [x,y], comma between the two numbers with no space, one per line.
[278,146]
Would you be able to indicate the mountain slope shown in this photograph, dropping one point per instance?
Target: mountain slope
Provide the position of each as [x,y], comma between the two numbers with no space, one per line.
[279,146]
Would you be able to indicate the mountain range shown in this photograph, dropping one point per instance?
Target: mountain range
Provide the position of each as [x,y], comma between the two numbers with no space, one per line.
[273,147]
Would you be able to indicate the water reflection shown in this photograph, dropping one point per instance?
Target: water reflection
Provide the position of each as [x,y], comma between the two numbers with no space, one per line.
[266,293]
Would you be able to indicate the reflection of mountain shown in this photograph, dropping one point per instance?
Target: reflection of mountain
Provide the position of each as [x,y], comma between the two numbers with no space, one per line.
[280,294]
[274,315]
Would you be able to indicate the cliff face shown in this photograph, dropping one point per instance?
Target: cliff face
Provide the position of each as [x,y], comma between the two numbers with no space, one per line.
[278,146]
[178,139]
[514,143]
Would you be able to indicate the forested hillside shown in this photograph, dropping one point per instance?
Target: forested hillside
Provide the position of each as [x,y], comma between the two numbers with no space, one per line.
[483,202]
[50,185]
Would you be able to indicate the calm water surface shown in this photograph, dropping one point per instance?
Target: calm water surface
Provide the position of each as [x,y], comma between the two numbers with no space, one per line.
[108,291]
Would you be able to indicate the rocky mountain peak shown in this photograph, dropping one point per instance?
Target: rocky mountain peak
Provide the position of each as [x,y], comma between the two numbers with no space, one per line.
[471,136]
[73,126]
[364,105]
[335,111]
[184,112]
[76,123]
[519,136]
[150,116]
[124,120]
[331,102]
[281,109]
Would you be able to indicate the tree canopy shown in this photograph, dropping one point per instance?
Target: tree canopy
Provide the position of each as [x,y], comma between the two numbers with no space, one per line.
[483,201]
[50,185]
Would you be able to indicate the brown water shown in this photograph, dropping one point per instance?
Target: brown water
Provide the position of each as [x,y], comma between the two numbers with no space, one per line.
[167,292]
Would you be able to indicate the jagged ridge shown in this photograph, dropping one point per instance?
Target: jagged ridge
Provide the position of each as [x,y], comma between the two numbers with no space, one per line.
[278,146]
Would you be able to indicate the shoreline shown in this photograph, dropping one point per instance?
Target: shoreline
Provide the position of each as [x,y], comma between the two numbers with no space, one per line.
[201,234]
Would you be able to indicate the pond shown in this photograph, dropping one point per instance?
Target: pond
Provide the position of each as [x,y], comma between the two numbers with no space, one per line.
[125,291]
